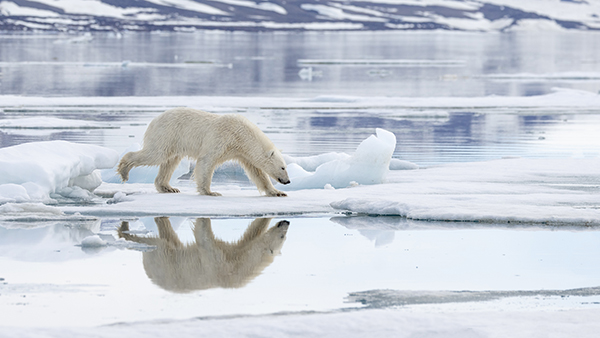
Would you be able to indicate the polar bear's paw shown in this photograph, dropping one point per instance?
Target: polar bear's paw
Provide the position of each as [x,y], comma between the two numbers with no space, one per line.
[276,193]
[167,189]
[209,193]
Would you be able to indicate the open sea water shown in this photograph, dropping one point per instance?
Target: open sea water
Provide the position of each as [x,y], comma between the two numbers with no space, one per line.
[325,263]
[307,65]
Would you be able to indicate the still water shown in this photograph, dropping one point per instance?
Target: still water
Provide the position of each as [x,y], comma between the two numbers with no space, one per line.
[409,64]
[415,64]
[326,263]
[181,268]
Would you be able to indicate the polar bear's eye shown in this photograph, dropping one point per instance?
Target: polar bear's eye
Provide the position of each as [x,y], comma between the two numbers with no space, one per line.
[282,168]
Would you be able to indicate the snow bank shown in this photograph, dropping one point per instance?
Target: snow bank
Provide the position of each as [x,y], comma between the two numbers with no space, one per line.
[368,165]
[36,171]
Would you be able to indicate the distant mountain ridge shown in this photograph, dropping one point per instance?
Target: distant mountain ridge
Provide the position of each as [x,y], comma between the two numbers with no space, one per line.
[187,15]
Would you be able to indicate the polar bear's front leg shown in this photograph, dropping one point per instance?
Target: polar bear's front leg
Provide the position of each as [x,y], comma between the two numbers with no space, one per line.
[261,179]
[203,172]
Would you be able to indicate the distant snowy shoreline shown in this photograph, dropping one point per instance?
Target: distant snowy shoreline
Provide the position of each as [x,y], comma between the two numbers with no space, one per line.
[312,15]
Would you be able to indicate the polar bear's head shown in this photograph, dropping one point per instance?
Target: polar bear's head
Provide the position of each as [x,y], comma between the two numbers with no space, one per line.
[276,167]
[275,237]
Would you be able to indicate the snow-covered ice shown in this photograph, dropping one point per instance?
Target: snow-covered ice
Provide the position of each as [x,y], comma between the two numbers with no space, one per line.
[553,191]
[36,171]
[549,190]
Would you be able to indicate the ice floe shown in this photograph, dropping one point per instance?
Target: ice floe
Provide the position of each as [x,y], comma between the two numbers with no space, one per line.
[368,165]
[39,170]
[533,191]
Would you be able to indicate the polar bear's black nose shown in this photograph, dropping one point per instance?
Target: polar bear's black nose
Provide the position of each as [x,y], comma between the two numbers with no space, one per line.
[284,182]
[283,223]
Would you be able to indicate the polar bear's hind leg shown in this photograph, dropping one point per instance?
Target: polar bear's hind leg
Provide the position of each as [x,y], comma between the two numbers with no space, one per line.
[134,159]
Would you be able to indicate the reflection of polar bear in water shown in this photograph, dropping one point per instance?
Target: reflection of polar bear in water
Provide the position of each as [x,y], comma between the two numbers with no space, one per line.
[210,262]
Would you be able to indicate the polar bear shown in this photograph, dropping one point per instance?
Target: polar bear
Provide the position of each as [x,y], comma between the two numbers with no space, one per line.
[209,262]
[210,139]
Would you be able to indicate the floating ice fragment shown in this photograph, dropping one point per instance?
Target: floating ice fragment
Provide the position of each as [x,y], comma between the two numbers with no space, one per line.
[75,192]
[118,197]
[33,208]
[93,242]
[396,164]
[310,163]
[308,73]
[353,184]
[368,165]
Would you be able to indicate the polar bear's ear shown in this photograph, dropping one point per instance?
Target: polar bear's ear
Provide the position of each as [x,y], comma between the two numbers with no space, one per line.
[271,153]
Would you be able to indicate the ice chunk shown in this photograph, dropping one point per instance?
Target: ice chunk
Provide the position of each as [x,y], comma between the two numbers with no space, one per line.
[368,165]
[118,197]
[308,73]
[93,242]
[371,206]
[310,163]
[44,168]
[11,192]
[32,208]
[396,164]
[143,174]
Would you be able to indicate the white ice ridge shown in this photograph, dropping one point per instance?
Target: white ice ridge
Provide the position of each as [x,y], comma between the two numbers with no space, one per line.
[368,165]
[560,97]
[35,171]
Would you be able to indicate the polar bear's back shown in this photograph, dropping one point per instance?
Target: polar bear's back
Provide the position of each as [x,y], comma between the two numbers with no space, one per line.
[184,131]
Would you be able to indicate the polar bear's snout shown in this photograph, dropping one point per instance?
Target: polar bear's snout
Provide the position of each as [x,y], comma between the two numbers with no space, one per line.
[283,224]
[282,181]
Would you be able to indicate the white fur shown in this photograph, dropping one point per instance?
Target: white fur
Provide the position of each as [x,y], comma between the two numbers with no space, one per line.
[209,262]
[210,139]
